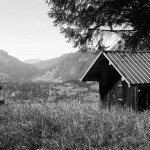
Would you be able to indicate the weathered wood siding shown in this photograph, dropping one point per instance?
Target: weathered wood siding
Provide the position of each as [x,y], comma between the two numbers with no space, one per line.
[121,95]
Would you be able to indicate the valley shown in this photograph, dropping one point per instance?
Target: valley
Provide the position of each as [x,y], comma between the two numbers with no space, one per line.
[69,66]
[44,92]
[54,80]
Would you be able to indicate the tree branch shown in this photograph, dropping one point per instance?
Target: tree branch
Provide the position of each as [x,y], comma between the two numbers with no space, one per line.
[115,31]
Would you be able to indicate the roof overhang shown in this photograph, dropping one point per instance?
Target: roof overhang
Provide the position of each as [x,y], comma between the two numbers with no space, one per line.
[123,78]
[94,68]
[133,67]
[86,76]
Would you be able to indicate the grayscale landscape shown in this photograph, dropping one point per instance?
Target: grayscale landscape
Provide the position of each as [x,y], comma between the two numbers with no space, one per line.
[75,75]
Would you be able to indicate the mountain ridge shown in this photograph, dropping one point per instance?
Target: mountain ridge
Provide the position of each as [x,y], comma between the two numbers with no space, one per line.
[51,62]
[69,67]
[12,68]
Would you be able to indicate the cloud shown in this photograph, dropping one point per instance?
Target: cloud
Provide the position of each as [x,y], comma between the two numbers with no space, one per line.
[26,44]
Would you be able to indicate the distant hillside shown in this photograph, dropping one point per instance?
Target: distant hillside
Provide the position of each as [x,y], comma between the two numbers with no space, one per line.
[51,62]
[32,61]
[67,67]
[70,66]
[13,69]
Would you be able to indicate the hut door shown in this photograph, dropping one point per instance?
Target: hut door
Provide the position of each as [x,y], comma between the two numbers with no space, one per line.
[143,98]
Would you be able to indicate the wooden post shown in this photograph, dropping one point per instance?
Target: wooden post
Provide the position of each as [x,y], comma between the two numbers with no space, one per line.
[2,95]
[99,102]
[136,99]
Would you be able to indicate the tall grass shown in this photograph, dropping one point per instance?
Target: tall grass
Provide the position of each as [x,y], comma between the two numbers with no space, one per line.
[72,127]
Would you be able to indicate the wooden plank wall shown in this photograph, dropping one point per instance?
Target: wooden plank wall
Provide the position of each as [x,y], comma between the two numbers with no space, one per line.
[121,95]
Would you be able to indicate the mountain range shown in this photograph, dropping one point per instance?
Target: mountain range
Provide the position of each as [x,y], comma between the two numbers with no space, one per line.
[69,66]
[12,68]
[66,67]
[51,62]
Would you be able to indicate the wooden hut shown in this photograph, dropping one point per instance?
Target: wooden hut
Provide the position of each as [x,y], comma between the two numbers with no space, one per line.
[124,78]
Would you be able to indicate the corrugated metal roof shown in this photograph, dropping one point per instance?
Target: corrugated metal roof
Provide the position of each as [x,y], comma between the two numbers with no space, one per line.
[133,66]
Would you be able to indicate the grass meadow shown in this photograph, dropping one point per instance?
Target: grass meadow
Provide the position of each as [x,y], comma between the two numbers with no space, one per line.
[72,126]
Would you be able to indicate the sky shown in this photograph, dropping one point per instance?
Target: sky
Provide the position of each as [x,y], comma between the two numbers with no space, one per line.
[26,31]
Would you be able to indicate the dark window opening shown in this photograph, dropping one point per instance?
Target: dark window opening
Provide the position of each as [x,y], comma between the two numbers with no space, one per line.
[143,98]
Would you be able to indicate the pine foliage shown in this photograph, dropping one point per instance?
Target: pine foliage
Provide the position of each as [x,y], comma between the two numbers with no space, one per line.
[85,22]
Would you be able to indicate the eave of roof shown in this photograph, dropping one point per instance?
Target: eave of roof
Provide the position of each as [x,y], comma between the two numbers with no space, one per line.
[111,63]
[83,78]
[134,67]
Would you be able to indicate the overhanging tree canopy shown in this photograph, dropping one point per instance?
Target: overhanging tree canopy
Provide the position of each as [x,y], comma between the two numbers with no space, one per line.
[84,22]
